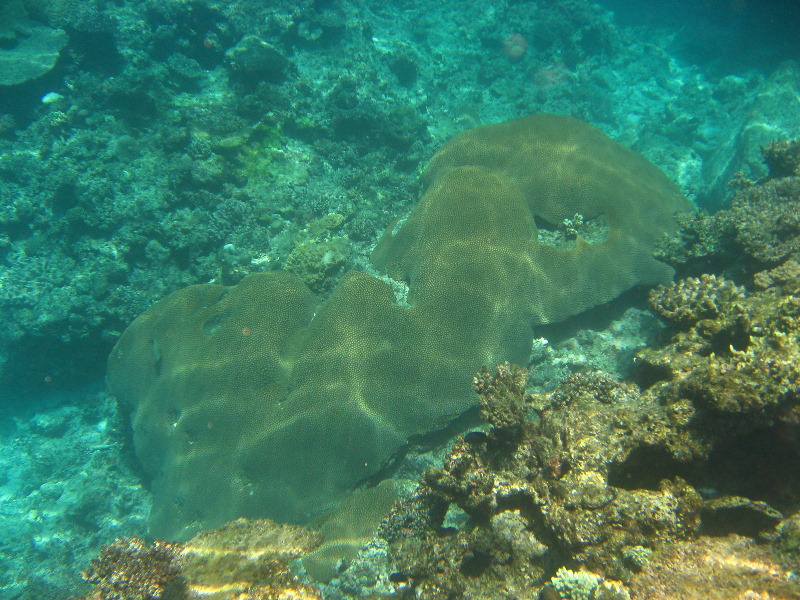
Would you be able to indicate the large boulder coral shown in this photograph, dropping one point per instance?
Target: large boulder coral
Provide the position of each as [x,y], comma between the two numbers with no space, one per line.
[490,192]
[258,400]
[28,50]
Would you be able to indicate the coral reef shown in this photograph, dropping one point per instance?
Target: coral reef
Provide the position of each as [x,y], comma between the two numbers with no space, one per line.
[132,150]
[218,379]
[740,352]
[192,141]
[694,299]
[598,497]
[573,585]
[760,229]
[503,403]
[610,475]
[243,559]
[547,497]
[134,570]
[283,403]
[612,487]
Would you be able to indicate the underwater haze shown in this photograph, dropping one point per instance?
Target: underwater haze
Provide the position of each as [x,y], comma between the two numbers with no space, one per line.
[486,299]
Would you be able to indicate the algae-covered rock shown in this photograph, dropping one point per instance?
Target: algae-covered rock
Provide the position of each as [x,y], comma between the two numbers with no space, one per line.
[318,262]
[260,400]
[715,569]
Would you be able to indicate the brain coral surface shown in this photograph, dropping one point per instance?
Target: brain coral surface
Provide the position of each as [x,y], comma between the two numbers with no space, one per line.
[259,401]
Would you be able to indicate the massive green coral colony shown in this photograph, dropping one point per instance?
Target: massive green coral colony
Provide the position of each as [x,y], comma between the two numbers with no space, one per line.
[281,403]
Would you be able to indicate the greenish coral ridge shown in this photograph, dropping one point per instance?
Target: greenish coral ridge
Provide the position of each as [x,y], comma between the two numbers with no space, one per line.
[260,400]
[33,51]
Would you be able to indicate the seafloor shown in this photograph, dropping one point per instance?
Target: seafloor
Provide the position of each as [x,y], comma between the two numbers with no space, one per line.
[648,447]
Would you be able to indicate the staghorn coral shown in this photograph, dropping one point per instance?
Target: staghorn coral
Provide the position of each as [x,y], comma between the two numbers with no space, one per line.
[285,403]
[693,299]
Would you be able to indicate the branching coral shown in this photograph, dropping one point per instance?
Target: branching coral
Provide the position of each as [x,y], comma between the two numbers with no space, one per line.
[607,474]
[552,485]
[503,402]
[740,353]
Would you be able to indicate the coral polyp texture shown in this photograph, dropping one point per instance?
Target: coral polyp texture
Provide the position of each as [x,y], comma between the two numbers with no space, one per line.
[491,189]
[132,569]
[261,400]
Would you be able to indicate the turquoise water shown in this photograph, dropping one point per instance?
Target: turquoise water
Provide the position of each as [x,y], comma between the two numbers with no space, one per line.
[148,146]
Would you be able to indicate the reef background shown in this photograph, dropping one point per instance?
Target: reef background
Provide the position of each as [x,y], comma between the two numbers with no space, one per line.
[145,146]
